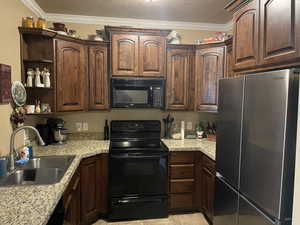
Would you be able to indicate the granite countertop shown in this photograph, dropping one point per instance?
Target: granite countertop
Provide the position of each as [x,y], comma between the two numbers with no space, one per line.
[207,147]
[34,205]
[24,205]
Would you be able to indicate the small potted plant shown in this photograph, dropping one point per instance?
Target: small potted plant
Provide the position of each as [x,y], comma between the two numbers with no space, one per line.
[17,118]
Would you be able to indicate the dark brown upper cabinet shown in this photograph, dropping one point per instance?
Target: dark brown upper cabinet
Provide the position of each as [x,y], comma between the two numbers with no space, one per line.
[266,34]
[209,69]
[98,77]
[229,60]
[178,77]
[152,54]
[125,54]
[137,52]
[279,31]
[71,75]
[245,41]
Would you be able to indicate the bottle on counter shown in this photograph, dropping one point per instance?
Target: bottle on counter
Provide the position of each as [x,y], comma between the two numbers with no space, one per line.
[182,130]
[30,149]
[106,130]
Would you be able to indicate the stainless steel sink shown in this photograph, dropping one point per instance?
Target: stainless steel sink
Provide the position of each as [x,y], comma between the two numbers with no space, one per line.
[39,171]
[48,162]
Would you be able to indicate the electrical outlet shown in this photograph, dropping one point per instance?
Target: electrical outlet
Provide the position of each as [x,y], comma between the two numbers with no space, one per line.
[85,126]
[189,125]
[78,126]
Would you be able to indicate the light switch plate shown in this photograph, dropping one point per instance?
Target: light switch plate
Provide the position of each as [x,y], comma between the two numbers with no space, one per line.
[78,126]
[189,125]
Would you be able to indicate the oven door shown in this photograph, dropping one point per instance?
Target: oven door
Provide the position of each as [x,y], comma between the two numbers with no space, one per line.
[136,174]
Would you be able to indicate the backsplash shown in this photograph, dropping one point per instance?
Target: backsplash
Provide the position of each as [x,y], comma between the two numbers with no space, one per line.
[96,120]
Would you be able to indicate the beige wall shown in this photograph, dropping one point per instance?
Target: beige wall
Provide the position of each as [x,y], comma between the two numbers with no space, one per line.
[187,36]
[11,14]
[96,120]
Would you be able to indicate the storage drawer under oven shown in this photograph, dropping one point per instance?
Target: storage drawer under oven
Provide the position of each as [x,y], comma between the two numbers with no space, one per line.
[138,208]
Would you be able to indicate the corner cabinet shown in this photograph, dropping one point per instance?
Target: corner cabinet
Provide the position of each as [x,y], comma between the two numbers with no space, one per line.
[209,69]
[98,77]
[179,62]
[94,178]
[245,40]
[72,201]
[71,75]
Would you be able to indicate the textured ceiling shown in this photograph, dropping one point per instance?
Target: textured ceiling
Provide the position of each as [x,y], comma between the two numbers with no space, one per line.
[201,11]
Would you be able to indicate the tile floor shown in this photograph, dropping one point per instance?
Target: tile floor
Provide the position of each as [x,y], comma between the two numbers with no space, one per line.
[184,219]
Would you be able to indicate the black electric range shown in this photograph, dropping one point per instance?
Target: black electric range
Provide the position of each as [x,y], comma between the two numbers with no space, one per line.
[138,171]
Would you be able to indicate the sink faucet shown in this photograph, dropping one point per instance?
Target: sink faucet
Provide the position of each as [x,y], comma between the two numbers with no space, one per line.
[11,159]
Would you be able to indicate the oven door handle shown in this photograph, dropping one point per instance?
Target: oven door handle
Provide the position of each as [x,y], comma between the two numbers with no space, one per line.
[137,156]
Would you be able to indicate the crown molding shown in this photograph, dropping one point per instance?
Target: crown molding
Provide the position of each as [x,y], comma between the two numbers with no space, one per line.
[158,24]
[114,21]
[34,7]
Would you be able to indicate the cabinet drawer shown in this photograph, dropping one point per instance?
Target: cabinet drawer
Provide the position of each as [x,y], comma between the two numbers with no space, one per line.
[182,157]
[182,186]
[181,201]
[182,171]
[209,164]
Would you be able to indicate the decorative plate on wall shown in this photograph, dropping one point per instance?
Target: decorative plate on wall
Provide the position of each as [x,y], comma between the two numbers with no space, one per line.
[18,93]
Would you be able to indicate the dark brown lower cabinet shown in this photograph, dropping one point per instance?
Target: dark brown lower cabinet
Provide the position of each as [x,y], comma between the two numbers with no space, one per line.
[184,185]
[93,188]
[85,198]
[191,183]
[72,200]
[208,187]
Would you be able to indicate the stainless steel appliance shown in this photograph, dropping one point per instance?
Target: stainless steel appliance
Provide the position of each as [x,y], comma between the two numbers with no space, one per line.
[255,156]
[138,171]
[137,93]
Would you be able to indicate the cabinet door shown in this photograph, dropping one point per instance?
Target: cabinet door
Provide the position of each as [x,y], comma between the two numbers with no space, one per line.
[90,189]
[72,201]
[208,188]
[245,38]
[125,54]
[209,69]
[152,56]
[229,62]
[103,183]
[280,31]
[71,76]
[98,78]
[178,73]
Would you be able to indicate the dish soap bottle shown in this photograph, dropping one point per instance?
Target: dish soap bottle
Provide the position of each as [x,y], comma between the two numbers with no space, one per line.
[30,149]
[106,131]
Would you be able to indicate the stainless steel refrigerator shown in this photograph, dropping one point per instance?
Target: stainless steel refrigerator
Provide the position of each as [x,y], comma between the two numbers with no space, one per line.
[256,147]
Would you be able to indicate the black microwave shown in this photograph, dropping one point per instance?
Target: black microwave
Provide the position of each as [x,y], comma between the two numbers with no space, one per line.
[137,93]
